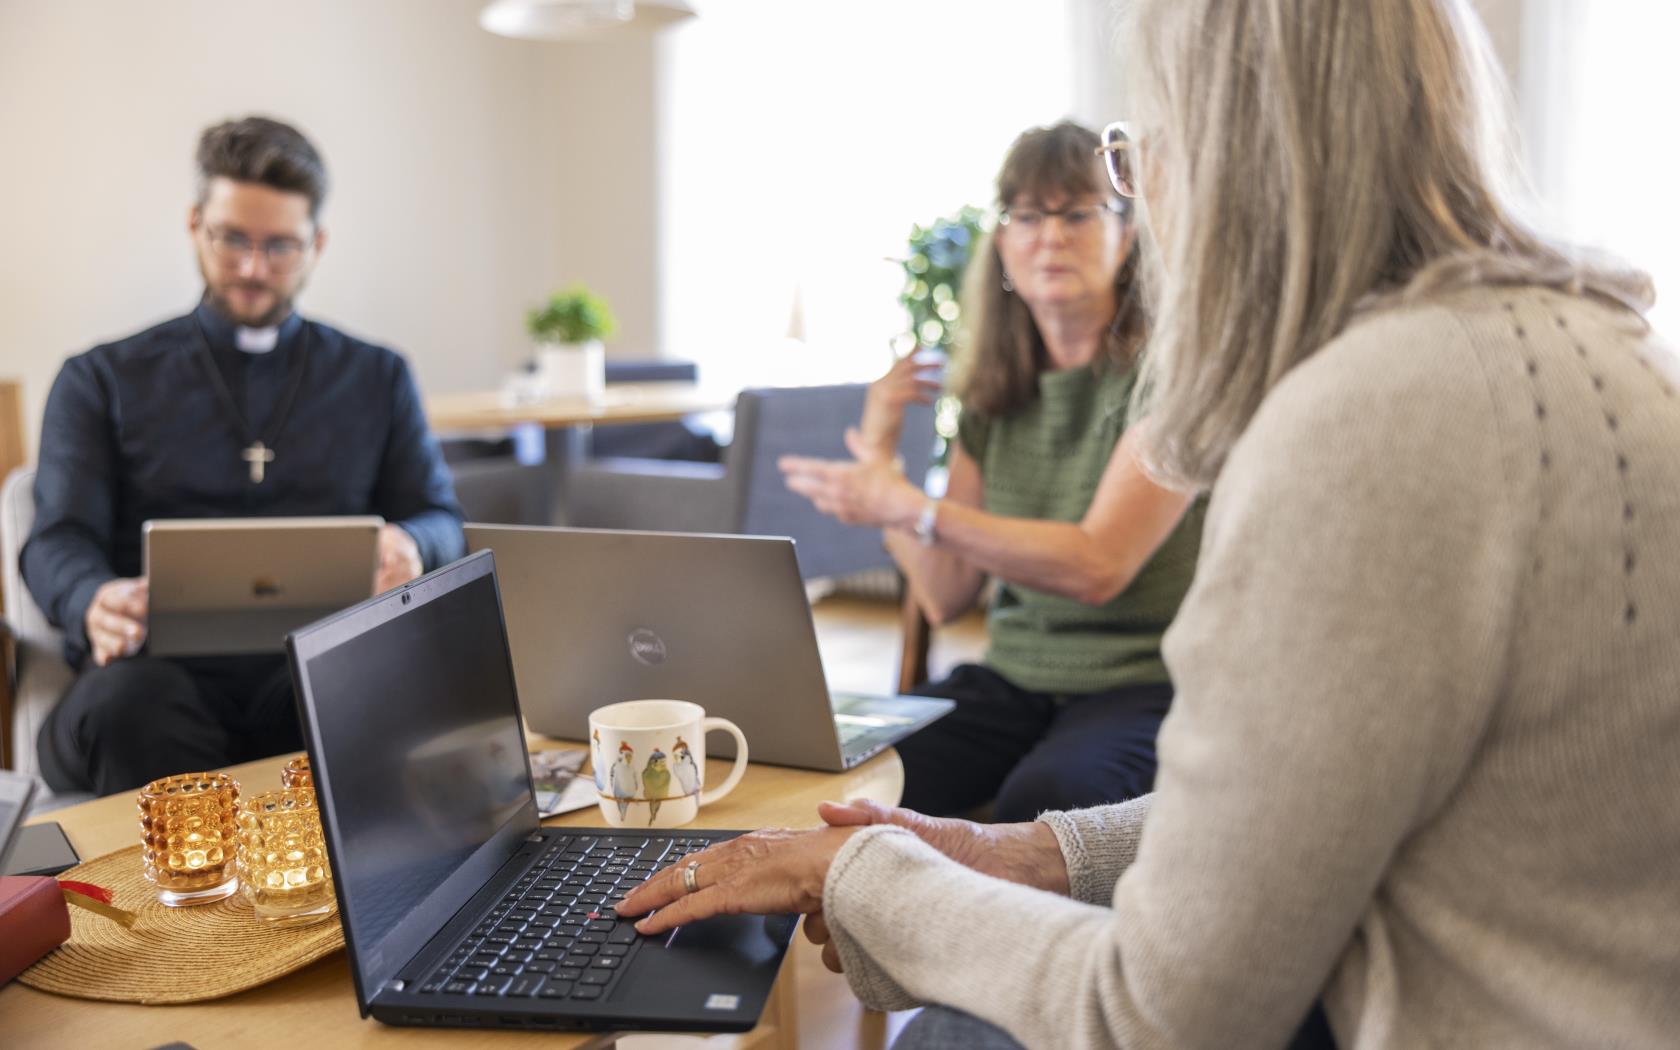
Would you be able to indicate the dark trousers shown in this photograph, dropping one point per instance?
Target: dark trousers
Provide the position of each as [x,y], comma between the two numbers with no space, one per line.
[941,1028]
[1031,752]
[132,721]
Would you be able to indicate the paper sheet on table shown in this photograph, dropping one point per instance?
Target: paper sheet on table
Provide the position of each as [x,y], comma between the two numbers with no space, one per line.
[561,786]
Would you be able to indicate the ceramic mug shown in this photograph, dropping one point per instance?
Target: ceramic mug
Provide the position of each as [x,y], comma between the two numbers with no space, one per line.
[650,761]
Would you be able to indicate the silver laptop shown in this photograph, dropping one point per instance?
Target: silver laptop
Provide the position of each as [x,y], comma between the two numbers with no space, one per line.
[15,792]
[238,585]
[596,616]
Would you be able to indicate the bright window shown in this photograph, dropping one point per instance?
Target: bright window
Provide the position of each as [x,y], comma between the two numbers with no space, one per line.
[1606,78]
[801,141]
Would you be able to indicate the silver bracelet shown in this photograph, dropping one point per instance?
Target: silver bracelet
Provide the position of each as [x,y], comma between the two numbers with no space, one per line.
[926,522]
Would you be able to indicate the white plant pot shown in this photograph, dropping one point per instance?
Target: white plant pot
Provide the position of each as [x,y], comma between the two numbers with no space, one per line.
[573,369]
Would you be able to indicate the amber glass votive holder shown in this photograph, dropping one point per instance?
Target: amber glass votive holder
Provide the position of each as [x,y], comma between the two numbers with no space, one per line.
[297,774]
[283,868]
[188,833]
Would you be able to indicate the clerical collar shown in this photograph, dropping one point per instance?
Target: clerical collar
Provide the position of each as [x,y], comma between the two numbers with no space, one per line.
[256,340]
[225,335]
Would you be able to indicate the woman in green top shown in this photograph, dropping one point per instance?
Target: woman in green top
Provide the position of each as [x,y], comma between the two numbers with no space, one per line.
[1046,494]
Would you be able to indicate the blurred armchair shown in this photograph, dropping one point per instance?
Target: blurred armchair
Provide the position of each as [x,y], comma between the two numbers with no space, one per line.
[37,674]
[744,494]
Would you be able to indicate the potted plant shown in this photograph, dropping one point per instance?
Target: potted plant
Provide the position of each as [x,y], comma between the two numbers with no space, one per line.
[568,329]
[933,276]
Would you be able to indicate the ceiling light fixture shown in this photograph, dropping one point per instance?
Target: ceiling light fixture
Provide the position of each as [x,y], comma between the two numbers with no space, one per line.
[579,19]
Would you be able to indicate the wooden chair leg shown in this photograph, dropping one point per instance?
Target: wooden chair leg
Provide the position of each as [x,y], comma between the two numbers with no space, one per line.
[778,1028]
[915,637]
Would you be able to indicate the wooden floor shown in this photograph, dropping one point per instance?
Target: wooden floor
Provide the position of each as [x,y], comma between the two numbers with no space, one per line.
[859,641]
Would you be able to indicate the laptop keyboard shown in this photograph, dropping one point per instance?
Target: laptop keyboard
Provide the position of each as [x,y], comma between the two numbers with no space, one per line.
[851,731]
[555,934]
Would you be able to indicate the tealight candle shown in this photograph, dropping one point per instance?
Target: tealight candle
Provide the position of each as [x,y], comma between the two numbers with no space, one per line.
[187,832]
[283,858]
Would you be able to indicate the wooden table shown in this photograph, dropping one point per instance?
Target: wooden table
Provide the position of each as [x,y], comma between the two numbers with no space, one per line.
[622,403]
[565,420]
[315,1008]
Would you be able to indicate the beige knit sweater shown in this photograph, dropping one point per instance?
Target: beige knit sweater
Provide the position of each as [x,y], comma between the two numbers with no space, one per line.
[1424,761]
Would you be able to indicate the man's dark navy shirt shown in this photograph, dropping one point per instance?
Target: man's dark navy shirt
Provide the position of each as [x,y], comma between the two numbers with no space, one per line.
[135,430]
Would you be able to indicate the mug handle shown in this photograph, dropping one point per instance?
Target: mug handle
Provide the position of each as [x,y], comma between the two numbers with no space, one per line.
[725,725]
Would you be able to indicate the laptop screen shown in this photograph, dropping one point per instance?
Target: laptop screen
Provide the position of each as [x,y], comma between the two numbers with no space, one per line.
[420,761]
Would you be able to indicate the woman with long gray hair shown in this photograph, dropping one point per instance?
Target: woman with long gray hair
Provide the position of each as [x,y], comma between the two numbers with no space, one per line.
[1421,766]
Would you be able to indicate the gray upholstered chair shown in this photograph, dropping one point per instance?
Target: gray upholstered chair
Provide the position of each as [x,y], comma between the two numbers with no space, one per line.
[39,675]
[744,494]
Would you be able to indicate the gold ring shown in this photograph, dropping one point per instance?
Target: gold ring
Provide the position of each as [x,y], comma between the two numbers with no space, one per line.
[690,882]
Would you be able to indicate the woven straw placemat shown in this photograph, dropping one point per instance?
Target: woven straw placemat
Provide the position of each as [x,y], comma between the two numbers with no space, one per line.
[170,955]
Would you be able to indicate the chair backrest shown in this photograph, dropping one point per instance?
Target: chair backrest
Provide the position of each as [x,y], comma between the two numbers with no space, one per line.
[811,421]
[40,674]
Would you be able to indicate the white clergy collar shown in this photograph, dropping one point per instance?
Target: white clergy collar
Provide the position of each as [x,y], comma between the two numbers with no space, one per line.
[256,340]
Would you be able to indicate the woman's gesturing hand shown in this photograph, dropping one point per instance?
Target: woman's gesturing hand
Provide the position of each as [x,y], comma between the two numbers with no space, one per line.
[913,379]
[868,491]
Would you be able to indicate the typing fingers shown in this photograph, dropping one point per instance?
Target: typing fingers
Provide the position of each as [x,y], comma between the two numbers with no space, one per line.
[667,885]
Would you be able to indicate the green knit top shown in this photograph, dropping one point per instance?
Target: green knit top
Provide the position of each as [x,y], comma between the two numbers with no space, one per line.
[1044,462]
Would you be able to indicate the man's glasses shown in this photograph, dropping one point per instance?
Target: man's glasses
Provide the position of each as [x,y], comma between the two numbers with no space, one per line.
[1118,151]
[1076,220]
[283,254]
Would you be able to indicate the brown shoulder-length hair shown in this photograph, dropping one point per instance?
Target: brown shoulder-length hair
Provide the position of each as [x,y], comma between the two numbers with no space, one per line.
[1000,349]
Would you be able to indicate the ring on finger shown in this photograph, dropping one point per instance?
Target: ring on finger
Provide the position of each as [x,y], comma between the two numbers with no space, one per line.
[691,871]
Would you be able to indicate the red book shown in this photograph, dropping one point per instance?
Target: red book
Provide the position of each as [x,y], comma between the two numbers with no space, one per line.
[33,921]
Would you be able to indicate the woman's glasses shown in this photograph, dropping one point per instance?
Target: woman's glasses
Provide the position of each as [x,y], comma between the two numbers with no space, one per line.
[1077,220]
[1118,151]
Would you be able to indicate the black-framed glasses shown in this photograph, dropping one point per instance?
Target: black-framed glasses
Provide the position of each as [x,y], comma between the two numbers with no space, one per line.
[230,247]
[1076,218]
[1119,154]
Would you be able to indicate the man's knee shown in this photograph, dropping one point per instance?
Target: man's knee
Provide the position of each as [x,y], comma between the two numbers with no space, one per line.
[128,700]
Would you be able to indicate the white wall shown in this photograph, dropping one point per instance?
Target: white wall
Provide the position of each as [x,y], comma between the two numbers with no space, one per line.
[472,174]
[443,143]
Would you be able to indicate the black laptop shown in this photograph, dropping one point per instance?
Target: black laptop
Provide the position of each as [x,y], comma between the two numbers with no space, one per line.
[458,907]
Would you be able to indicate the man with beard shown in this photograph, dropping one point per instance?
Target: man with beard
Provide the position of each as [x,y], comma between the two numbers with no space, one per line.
[242,408]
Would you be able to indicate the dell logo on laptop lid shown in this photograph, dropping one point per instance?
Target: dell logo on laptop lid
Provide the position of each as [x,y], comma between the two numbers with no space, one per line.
[646,647]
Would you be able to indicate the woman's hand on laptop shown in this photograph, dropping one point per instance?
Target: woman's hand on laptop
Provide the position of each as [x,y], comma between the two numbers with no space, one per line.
[1026,853]
[781,871]
[116,619]
[399,558]
[1023,853]
[762,873]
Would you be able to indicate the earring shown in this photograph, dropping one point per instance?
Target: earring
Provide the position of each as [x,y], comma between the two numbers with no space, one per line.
[1008,285]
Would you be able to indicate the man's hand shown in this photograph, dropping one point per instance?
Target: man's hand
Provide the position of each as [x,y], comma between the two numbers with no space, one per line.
[399,558]
[116,619]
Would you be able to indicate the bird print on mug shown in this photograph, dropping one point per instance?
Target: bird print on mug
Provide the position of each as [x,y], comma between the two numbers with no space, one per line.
[686,769]
[656,783]
[624,779]
[596,766]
